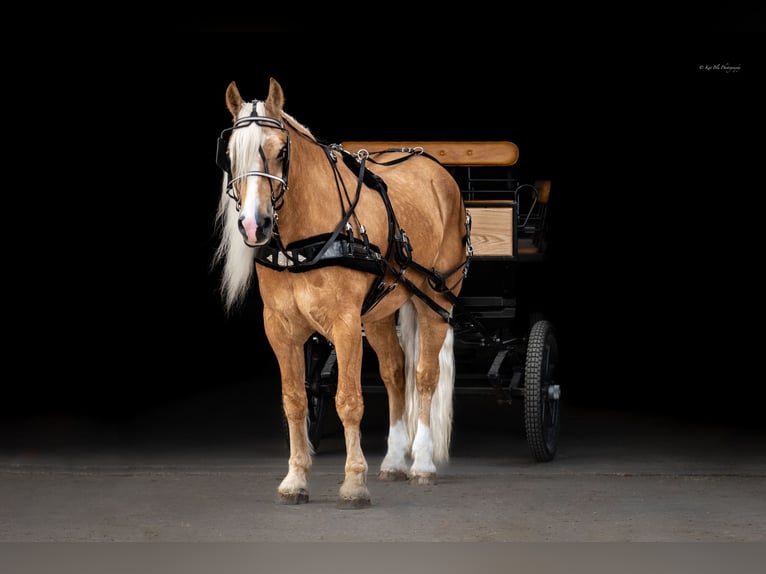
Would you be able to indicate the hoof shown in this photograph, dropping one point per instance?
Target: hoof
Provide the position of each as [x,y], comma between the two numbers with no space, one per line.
[300,497]
[353,503]
[392,475]
[428,478]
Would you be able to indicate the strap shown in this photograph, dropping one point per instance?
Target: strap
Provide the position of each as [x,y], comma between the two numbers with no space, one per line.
[426,299]
[408,150]
[344,220]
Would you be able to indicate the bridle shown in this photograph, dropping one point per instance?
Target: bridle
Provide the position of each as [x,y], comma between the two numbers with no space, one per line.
[224,161]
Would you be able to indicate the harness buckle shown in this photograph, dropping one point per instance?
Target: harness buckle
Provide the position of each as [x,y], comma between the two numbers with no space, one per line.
[350,233]
[365,239]
[403,254]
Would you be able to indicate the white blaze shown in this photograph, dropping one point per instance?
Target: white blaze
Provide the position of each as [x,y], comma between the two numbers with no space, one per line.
[248,142]
[249,209]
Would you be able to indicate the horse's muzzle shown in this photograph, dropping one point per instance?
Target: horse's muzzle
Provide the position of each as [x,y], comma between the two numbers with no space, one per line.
[256,232]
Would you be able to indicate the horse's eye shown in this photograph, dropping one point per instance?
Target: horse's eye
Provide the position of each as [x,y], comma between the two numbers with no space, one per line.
[282,153]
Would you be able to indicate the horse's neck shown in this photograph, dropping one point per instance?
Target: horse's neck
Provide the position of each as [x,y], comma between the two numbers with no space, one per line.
[311,202]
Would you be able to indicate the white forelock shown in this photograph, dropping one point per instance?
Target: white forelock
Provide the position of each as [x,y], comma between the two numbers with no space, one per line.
[245,144]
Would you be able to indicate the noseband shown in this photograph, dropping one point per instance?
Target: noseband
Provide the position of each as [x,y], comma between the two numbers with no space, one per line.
[224,161]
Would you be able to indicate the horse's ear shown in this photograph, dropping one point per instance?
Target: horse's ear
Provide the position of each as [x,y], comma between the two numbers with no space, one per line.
[233,100]
[276,99]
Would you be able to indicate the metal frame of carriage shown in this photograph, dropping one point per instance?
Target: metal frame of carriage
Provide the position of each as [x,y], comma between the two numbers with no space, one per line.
[504,346]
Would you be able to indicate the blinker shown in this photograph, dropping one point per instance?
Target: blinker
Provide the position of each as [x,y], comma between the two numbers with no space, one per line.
[221,155]
[222,159]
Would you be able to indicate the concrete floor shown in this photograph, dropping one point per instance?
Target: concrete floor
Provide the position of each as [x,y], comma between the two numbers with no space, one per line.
[201,471]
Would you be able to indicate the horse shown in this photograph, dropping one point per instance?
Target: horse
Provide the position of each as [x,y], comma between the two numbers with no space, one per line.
[351,246]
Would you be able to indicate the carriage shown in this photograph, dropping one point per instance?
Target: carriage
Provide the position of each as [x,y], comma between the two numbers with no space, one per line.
[362,246]
[505,342]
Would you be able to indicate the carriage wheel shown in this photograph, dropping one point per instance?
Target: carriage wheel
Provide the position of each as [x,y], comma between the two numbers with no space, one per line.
[316,352]
[541,393]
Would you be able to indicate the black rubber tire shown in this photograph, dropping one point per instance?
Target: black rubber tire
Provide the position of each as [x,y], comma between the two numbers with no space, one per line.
[542,416]
[534,317]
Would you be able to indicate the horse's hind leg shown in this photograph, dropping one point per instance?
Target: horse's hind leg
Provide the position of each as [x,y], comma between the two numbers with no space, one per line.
[381,335]
[427,340]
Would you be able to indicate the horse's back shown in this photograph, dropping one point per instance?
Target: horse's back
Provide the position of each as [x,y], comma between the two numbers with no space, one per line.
[428,205]
[413,169]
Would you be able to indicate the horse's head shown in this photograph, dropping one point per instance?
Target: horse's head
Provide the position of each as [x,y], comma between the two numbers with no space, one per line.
[255,153]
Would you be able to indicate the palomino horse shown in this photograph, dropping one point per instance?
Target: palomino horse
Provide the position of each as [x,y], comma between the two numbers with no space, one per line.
[325,236]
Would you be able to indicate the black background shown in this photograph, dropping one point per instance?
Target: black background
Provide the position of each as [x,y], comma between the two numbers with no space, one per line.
[652,148]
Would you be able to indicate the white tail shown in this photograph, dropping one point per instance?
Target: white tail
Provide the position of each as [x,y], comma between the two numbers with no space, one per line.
[441,403]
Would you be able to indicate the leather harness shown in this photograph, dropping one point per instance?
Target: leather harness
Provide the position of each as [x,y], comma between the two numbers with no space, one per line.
[341,247]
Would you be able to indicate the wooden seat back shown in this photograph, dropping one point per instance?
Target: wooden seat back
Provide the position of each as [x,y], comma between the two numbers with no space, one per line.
[482,153]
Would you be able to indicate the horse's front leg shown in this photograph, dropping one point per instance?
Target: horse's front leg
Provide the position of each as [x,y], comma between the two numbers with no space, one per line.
[347,338]
[290,355]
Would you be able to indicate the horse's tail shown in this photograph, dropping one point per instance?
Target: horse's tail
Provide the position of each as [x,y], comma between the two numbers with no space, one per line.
[441,402]
[236,256]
